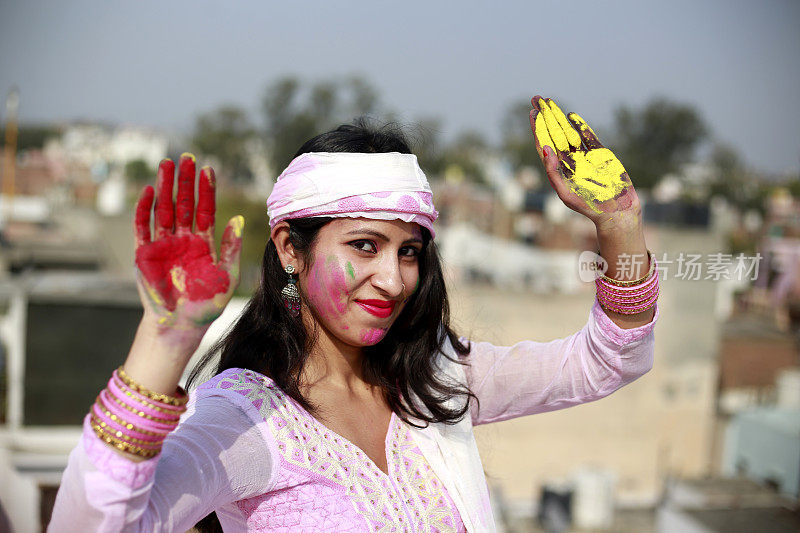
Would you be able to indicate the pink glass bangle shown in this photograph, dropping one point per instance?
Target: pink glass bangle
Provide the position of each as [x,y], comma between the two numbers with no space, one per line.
[99,408]
[628,310]
[627,290]
[125,427]
[180,398]
[601,292]
[142,422]
[120,385]
[132,397]
[132,405]
[626,305]
[141,414]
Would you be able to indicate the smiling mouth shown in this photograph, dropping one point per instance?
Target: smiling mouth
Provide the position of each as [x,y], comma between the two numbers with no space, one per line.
[379,308]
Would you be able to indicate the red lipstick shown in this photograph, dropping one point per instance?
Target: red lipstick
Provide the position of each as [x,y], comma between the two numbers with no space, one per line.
[379,308]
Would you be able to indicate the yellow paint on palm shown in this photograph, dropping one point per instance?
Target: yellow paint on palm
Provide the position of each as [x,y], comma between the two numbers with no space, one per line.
[582,125]
[572,136]
[556,133]
[597,176]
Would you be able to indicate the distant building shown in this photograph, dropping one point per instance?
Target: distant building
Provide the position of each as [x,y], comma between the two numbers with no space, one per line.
[764,445]
[725,505]
[98,146]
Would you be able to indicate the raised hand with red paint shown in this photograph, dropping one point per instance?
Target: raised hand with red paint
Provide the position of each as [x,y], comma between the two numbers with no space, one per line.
[180,279]
[182,284]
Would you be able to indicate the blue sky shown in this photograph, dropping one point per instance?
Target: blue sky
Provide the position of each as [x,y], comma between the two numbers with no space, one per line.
[160,63]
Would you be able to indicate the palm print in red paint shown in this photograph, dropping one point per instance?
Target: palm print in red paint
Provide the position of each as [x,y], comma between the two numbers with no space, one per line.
[178,269]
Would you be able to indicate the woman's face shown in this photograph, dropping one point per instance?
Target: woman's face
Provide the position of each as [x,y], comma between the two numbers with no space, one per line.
[360,275]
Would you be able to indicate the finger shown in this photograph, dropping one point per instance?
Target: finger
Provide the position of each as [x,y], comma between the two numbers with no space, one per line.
[206,206]
[142,219]
[540,135]
[587,134]
[231,248]
[573,138]
[553,128]
[184,201]
[165,211]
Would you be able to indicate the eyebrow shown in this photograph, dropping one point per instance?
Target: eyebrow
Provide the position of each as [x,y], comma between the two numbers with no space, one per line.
[380,235]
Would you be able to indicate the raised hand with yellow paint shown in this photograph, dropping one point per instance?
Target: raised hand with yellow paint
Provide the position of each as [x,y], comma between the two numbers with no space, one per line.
[591,180]
[586,176]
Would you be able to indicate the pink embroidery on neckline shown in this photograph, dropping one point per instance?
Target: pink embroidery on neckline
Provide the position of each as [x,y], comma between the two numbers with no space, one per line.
[324,472]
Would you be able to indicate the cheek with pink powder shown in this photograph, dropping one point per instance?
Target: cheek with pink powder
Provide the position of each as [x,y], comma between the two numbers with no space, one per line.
[327,289]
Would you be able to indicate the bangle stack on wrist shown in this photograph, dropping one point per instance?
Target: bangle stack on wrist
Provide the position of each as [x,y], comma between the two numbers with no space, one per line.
[629,297]
[134,419]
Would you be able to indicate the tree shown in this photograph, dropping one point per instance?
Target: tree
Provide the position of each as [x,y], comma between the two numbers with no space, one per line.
[466,152]
[224,133]
[293,115]
[138,171]
[657,139]
[32,136]
[427,146]
[731,179]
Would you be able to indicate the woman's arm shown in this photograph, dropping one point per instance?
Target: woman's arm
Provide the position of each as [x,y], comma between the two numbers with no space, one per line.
[206,463]
[613,348]
[183,288]
[182,284]
[590,180]
[535,377]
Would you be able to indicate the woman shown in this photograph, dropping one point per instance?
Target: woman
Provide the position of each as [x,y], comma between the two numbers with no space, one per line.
[341,397]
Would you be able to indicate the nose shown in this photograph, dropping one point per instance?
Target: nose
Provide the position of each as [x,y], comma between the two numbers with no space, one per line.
[388,277]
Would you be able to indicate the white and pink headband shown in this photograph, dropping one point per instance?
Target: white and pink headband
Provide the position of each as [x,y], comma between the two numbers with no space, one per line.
[383,186]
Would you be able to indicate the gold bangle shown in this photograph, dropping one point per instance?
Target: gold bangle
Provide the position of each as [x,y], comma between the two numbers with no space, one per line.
[125,423]
[133,396]
[124,446]
[649,274]
[98,425]
[626,311]
[140,413]
[180,399]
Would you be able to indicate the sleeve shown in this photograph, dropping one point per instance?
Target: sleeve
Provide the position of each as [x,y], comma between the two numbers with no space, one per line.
[204,464]
[534,377]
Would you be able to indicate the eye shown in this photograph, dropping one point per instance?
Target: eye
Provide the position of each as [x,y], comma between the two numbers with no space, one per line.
[409,251]
[364,246]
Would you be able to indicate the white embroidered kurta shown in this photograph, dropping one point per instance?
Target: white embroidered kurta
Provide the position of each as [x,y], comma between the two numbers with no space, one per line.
[247,451]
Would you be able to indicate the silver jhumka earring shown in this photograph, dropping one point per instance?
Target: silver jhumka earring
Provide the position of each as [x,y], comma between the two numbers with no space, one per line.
[290,294]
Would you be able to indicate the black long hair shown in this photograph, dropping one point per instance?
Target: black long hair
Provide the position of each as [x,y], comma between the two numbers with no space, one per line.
[267,339]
